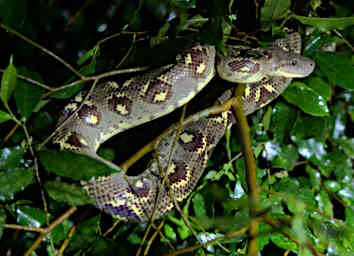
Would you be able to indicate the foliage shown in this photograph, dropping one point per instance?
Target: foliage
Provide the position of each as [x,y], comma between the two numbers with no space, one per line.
[303,141]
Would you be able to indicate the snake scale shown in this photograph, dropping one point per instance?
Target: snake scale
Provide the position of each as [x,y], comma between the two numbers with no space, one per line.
[87,122]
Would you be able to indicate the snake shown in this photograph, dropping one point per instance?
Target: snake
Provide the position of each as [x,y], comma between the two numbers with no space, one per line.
[92,118]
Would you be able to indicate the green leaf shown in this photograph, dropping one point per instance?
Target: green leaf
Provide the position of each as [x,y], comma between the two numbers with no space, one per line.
[30,216]
[313,151]
[286,157]
[337,68]
[169,232]
[324,203]
[4,117]
[273,10]
[282,121]
[8,83]
[326,24]
[27,95]
[347,144]
[71,165]
[267,118]
[85,234]
[11,157]
[307,99]
[94,52]
[310,126]
[68,193]
[161,35]
[199,206]
[2,221]
[321,87]
[14,180]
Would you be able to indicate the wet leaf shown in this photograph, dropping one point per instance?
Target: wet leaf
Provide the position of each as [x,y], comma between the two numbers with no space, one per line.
[199,206]
[8,83]
[326,24]
[286,158]
[306,98]
[68,193]
[310,126]
[74,166]
[282,121]
[337,68]
[14,180]
[321,87]
[27,95]
[11,157]
[30,216]
[324,203]
[169,232]
[283,242]
[347,144]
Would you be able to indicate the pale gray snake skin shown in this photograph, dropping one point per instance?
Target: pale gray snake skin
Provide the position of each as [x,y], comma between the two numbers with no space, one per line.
[111,109]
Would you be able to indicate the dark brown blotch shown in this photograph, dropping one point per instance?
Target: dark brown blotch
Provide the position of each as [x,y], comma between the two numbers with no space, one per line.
[179,173]
[121,105]
[157,92]
[194,141]
[244,66]
[89,115]
[74,140]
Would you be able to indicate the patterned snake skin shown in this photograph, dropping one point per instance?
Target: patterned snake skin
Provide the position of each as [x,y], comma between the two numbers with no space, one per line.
[110,109]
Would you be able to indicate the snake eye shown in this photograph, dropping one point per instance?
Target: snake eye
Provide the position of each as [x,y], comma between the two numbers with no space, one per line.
[294,62]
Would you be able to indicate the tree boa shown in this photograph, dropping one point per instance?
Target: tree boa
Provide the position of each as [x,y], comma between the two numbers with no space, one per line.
[87,122]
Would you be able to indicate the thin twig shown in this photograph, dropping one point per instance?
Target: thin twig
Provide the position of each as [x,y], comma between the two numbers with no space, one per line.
[23,37]
[195,247]
[55,223]
[66,241]
[27,79]
[277,225]
[193,118]
[19,227]
[97,77]
[251,171]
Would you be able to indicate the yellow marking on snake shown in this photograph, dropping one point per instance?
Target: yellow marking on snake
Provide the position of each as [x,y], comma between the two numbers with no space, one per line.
[245,69]
[172,168]
[83,141]
[91,119]
[258,95]
[164,79]
[71,106]
[201,85]
[269,88]
[139,184]
[145,88]
[186,138]
[122,109]
[247,91]
[79,97]
[201,68]
[188,59]
[113,85]
[161,96]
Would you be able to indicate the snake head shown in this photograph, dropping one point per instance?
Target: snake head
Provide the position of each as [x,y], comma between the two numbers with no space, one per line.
[289,64]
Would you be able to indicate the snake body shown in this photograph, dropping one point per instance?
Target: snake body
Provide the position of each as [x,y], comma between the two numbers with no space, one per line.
[89,121]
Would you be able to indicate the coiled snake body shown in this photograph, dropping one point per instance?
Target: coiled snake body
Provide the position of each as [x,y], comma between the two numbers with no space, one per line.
[110,109]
